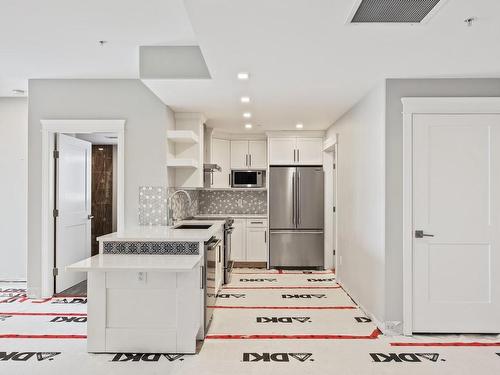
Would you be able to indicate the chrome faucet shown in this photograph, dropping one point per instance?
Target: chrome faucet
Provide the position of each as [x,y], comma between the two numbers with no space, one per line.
[170,211]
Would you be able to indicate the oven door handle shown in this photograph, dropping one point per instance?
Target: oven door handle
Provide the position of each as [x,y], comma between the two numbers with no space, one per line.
[213,244]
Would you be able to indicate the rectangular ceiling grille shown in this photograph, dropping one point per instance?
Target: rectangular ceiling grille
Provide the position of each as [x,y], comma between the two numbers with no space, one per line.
[393,11]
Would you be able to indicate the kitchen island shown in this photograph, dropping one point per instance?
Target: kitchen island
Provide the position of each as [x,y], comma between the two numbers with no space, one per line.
[146,289]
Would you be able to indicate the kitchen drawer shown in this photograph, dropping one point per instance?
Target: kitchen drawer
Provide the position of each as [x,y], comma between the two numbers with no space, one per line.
[256,223]
[132,280]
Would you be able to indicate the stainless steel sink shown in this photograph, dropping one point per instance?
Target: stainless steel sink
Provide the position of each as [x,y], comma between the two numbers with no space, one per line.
[193,226]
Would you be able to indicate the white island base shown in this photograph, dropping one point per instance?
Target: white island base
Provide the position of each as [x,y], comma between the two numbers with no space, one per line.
[142,303]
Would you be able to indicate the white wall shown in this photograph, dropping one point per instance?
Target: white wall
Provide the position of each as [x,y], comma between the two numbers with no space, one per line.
[361,201]
[397,89]
[147,120]
[13,187]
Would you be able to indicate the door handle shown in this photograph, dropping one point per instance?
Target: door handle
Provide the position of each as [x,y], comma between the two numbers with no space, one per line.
[90,217]
[421,234]
[293,194]
[298,196]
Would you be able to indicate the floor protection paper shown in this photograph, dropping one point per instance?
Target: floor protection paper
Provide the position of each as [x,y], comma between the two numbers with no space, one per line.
[244,323]
[284,298]
[282,280]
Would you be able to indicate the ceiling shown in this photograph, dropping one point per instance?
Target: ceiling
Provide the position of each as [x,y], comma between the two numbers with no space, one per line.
[306,64]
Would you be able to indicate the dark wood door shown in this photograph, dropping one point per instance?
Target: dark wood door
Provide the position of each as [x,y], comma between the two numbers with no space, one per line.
[102,193]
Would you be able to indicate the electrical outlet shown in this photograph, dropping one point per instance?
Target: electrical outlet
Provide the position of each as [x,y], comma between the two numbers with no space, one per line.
[141,276]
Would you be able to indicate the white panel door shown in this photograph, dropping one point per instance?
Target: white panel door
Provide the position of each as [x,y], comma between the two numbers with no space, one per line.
[456,199]
[281,151]
[73,201]
[256,244]
[221,155]
[258,154]
[239,154]
[310,151]
[238,241]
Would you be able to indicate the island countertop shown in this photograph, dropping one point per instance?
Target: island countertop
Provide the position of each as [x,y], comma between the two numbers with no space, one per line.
[146,233]
[138,263]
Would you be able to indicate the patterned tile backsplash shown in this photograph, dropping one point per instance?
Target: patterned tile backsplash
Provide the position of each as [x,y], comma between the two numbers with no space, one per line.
[232,202]
[153,203]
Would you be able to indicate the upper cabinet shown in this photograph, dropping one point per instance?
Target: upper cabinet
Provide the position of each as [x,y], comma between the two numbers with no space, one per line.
[248,154]
[296,151]
[221,154]
[239,154]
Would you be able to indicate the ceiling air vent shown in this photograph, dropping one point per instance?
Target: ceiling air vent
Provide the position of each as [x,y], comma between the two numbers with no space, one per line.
[394,11]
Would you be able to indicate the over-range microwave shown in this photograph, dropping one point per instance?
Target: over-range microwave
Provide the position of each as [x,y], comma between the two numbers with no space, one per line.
[245,178]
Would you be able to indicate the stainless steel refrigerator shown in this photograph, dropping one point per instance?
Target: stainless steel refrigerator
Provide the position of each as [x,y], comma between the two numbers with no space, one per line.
[296,217]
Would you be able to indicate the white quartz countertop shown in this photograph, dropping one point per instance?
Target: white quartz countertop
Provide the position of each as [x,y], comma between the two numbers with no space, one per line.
[145,233]
[138,263]
[249,216]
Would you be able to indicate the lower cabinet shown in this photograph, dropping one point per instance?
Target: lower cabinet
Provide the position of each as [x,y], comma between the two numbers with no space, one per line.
[238,241]
[249,240]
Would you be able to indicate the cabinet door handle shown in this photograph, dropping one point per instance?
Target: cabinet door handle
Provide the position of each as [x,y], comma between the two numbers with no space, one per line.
[294,158]
[246,160]
[298,155]
[201,277]
[256,222]
[265,236]
[250,158]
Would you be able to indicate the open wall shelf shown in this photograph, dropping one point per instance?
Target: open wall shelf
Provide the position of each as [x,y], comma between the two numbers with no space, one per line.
[182,136]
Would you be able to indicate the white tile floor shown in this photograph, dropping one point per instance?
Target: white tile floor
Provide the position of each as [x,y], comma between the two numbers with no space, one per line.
[265,322]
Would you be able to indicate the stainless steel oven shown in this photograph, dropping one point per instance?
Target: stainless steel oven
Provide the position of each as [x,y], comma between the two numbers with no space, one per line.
[248,179]
[208,279]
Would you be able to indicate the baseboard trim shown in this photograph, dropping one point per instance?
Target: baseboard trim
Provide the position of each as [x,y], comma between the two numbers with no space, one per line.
[387,328]
[249,264]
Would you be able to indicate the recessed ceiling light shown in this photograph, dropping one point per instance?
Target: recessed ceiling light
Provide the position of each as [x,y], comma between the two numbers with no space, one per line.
[299,126]
[247,115]
[18,92]
[245,99]
[102,42]
[243,76]
[248,126]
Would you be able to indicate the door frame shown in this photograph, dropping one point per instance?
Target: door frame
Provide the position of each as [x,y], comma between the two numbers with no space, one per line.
[411,107]
[48,129]
[330,158]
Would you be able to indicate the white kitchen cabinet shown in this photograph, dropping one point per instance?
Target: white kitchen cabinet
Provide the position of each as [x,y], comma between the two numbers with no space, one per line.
[256,240]
[238,240]
[258,154]
[248,154]
[239,154]
[221,155]
[296,151]
[281,151]
[309,151]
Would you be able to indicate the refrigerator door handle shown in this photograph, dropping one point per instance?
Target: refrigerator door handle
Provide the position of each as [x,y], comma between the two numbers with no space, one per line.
[298,197]
[293,198]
